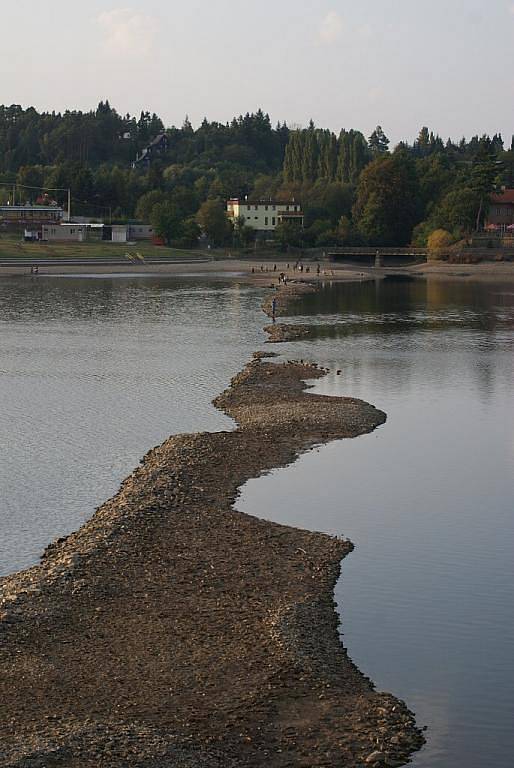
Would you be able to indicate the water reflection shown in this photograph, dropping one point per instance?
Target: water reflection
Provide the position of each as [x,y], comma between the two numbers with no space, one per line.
[427,597]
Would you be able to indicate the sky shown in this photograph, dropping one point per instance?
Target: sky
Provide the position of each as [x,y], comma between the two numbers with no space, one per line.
[447,64]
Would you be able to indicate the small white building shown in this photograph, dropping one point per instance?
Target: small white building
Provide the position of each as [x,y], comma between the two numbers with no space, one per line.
[71,232]
[264,215]
[84,232]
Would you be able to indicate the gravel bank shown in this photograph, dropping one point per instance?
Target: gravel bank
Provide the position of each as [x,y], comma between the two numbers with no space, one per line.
[171,630]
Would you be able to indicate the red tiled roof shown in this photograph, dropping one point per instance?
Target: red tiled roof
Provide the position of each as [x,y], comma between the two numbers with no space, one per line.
[504,197]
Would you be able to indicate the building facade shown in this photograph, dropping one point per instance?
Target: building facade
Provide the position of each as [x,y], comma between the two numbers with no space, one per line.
[82,233]
[265,215]
[29,216]
[501,210]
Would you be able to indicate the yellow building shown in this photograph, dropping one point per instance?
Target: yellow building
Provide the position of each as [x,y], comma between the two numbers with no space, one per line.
[264,215]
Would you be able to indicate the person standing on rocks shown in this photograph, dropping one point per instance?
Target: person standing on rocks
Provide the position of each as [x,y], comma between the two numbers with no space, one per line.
[273,309]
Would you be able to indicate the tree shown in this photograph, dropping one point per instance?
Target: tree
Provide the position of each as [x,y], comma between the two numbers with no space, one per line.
[387,205]
[457,210]
[484,177]
[287,233]
[190,233]
[338,200]
[213,220]
[166,219]
[354,155]
[147,202]
[378,142]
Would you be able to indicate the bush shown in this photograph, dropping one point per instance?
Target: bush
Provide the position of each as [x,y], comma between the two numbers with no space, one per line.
[439,243]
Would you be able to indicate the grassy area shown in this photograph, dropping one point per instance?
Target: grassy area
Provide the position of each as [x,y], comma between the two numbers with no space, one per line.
[11,248]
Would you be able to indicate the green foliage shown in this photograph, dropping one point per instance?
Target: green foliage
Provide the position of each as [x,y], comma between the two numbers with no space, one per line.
[378,142]
[189,234]
[147,202]
[428,185]
[386,208]
[314,154]
[213,221]
[438,243]
[166,219]
[485,177]
[457,210]
[287,234]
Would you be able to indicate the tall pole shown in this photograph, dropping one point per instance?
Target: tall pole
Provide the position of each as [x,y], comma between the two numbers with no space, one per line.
[69,205]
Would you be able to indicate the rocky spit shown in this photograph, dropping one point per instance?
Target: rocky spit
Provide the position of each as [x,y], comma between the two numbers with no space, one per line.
[285,294]
[173,631]
[282,332]
[279,333]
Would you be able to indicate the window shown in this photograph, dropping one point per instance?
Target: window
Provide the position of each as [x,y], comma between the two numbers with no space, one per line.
[273,207]
[265,207]
[249,207]
[266,221]
[287,208]
[273,221]
[256,207]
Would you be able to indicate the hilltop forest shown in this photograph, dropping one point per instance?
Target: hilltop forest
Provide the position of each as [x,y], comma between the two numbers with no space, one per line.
[354,189]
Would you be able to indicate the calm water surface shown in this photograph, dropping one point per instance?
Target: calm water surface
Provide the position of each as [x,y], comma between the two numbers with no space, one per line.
[427,597]
[93,372]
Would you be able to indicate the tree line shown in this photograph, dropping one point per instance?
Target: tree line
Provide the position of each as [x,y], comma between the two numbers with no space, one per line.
[354,189]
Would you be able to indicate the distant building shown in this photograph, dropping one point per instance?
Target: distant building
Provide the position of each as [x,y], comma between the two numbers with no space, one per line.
[265,215]
[501,210]
[72,233]
[158,147]
[29,216]
[141,232]
[81,233]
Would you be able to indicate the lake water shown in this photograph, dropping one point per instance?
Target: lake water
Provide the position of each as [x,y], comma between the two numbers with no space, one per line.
[93,372]
[427,598]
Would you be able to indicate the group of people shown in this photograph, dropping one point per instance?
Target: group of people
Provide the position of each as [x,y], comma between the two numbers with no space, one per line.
[297,267]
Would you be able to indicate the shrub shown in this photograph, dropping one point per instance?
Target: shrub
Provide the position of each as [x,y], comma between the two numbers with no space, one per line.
[439,243]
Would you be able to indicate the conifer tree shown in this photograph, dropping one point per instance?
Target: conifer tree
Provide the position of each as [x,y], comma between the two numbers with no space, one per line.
[378,142]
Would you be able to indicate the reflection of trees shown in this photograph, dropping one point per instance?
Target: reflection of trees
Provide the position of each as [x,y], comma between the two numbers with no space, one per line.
[448,330]
[388,305]
[72,299]
[57,298]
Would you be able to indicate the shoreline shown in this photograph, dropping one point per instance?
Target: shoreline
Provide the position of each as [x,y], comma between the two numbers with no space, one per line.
[171,627]
[240,270]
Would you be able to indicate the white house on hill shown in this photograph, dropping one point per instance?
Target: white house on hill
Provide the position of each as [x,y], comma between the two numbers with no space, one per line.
[264,215]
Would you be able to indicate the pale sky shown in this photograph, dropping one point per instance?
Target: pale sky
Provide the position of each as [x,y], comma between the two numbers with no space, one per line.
[448,64]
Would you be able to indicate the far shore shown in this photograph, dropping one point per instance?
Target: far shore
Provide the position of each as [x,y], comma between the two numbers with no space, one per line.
[249,270]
